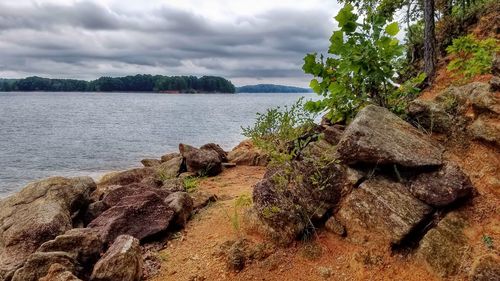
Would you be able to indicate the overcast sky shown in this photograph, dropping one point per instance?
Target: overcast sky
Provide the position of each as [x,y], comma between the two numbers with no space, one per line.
[258,41]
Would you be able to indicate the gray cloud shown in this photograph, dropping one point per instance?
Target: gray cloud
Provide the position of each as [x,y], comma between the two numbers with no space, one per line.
[87,40]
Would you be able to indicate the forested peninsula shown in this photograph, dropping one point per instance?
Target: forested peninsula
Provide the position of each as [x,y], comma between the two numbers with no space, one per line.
[137,83]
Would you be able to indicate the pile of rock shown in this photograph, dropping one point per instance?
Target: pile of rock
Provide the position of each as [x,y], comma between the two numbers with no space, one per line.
[472,110]
[379,181]
[74,229]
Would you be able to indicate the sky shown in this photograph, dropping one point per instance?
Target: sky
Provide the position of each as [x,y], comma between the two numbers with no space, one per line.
[248,42]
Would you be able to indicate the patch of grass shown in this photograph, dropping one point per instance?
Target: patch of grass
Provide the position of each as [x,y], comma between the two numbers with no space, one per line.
[241,204]
[190,184]
[488,241]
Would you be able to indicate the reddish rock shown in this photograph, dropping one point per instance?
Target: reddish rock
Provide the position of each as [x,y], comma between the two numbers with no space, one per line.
[116,195]
[139,216]
[246,154]
[442,187]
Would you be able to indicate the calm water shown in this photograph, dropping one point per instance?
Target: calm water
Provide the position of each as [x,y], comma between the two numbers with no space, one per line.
[71,134]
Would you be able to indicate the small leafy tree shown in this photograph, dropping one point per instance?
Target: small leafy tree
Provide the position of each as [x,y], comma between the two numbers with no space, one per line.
[361,68]
[471,56]
[277,131]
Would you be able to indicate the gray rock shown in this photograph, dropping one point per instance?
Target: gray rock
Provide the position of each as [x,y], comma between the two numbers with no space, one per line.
[38,264]
[204,162]
[150,162]
[215,147]
[486,129]
[122,261]
[182,205]
[431,115]
[38,213]
[443,247]
[169,169]
[377,136]
[169,156]
[82,243]
[383,207]
[174,185]
[442,187]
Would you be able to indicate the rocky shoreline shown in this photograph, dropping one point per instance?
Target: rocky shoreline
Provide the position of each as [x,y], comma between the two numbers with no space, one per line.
[75,229]
[379,182]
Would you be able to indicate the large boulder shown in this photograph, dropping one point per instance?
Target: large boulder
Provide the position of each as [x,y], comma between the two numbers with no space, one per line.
[182,205]
[122,261]
[58,272]
[38,213]
[382,210]
[139,215]
[377,136]
[84,244]
[215,147]
[204,162]
[38,264]
[246,154]
[442,187]
[443,248]
[289,199]
[431,115]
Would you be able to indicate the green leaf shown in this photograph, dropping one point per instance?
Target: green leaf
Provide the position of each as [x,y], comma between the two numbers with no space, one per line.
[337,41]
[392,29]
[347,19]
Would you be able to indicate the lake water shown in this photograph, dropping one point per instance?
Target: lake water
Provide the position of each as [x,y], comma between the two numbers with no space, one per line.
[73,134]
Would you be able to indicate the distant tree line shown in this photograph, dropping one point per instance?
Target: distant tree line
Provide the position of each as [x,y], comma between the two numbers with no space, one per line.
[137,83]
[271,88]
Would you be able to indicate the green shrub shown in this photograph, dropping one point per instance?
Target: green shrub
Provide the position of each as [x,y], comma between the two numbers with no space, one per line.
[361,69]
[471,56]
[278,131]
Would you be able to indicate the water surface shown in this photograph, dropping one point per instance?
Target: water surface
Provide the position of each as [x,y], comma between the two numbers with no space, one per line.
[71,134]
